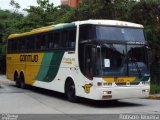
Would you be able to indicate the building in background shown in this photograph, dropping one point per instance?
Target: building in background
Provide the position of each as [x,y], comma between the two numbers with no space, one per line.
[72,3]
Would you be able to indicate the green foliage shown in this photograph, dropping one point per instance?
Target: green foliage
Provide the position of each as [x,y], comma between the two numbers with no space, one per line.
[95,9]
[15,5]
[64,13]
[145,12]
[155,88]
[9,23]
[40,15]
[122,9]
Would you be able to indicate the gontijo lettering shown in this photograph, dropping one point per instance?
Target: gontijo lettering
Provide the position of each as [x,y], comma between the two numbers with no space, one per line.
[28,58]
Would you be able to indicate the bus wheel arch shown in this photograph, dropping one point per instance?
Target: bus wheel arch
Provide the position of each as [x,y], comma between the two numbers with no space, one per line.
[22,80]
[70,90]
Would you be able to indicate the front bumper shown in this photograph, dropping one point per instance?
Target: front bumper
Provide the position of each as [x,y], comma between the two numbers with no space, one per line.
[115,93]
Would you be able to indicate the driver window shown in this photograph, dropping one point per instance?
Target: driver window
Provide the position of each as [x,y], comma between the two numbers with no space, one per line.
[88,61]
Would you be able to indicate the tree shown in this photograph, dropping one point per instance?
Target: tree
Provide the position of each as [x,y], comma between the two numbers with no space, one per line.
[15,5]
[64,13]
[9,23]
[95,9]
[147,12]
[122,9]
[40,15]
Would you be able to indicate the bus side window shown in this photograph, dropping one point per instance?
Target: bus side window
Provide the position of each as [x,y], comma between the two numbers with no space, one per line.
[86,32]
[37,42]
[72,38]
[21,44]
[30,43]
[9,47]
[14,45]
[64,39]
[50,41]
[43,42]
[68,38]
[56,38]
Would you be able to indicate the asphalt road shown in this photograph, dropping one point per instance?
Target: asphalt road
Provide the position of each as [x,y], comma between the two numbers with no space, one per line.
[39,101]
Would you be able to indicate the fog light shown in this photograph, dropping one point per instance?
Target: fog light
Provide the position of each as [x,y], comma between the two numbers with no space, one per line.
[107,92]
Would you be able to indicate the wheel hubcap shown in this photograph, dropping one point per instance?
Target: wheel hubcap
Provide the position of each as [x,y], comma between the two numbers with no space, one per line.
[71,91]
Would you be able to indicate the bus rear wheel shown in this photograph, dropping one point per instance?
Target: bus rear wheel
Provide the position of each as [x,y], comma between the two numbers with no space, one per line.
[22,81]
[70,91]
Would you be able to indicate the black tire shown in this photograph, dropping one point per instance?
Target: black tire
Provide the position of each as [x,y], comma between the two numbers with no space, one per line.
[16,79]
[22,81]
[70,91]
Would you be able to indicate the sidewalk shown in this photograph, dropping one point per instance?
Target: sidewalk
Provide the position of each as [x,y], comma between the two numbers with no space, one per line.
[4,81]
[154,96]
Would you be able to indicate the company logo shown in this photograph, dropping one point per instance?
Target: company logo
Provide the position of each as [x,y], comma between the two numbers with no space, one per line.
[68,60]
[87,87]
[28,58]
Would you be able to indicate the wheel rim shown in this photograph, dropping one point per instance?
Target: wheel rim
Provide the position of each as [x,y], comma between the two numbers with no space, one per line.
[17,81]
[71,91]
[22,84]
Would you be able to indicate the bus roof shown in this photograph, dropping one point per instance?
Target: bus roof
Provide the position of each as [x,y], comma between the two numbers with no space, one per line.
[43,29]
[110,23]
[67,25]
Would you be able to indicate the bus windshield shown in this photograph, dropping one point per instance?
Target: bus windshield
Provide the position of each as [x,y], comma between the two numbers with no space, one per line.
[112,51]
[111,33]
[121,60]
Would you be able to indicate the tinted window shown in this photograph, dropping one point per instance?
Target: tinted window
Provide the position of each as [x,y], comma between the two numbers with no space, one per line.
[72,38]
[65,39]
[110,33]
[119,33]
[9,49]
[86,32]
[50,41]
[40,42]
[56,38]
[68,38]
[30,43]
[21,44]
[12,45]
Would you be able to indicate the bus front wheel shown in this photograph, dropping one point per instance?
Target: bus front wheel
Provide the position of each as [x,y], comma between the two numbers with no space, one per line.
[70,91]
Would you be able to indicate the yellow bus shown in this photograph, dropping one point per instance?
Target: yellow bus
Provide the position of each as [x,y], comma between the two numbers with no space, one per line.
[95,59]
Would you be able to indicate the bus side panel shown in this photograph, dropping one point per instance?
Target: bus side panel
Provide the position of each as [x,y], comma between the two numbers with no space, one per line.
[68,68]
[32,67]
[14,64]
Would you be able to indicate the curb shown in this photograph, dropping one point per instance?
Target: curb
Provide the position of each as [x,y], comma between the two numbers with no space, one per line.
[154,97]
